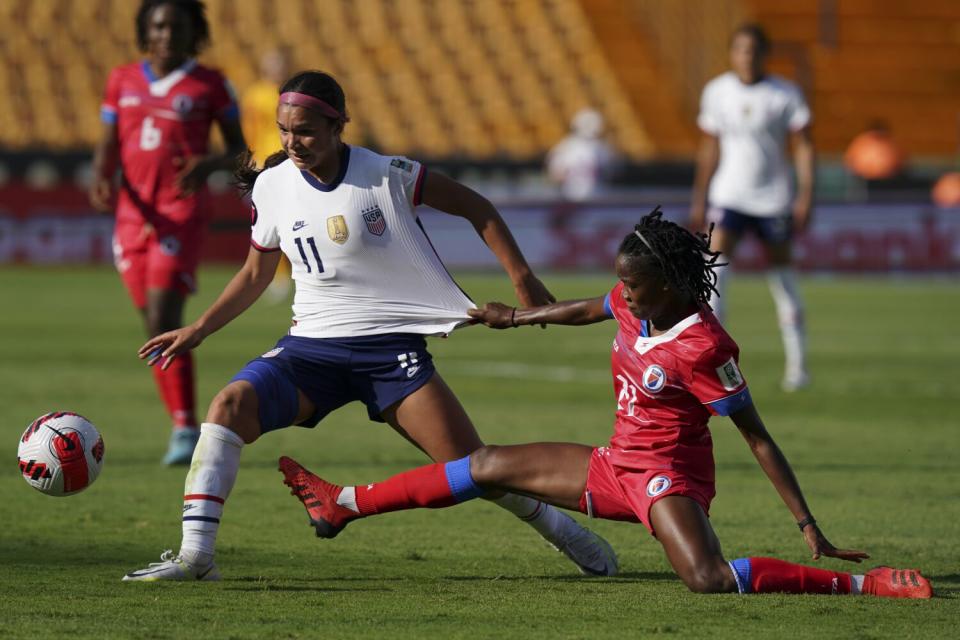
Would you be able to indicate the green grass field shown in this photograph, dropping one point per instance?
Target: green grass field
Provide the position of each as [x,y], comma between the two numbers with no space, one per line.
[874,442]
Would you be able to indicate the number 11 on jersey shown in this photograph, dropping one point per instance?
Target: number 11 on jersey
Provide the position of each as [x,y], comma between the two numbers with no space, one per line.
[303,254]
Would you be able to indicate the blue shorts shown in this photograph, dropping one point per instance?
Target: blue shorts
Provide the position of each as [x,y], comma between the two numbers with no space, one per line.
[772,229]
[379,371]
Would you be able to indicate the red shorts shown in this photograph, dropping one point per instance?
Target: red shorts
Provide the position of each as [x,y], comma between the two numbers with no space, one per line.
[161,258]
[615,493]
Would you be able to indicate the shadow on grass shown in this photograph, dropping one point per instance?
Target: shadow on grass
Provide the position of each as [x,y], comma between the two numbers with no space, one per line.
[629,576]
[950,590]
[292,588]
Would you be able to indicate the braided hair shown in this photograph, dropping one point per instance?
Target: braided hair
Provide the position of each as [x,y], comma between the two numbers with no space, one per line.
[195,11]
[312,83]
[682,258]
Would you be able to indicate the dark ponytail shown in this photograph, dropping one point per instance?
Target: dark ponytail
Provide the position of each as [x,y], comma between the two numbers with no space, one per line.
[246,172]
[313,83]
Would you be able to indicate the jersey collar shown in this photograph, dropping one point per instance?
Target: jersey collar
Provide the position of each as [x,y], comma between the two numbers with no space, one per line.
[319,186]
[159,87]
[644,343]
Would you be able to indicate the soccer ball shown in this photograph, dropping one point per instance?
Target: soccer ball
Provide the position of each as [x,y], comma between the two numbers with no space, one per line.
[60,453]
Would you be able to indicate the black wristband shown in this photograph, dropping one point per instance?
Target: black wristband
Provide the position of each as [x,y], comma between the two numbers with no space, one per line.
[806,521]
[513,317]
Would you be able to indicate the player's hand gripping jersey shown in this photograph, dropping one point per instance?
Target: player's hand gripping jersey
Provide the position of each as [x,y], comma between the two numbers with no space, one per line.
[362,262]
[161,123]
[667,387]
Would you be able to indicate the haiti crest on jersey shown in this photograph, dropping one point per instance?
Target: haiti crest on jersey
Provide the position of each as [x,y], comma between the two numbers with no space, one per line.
[337,229]
[376,223]
[657,485]
[654,378]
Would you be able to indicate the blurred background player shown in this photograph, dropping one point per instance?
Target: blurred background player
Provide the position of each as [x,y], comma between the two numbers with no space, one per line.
[582,162]
[746,117]
[370,288]
[157,114]
[258,108]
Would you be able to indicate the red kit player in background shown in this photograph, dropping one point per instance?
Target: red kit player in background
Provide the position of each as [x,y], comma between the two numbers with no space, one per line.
[673,367]
[156,116]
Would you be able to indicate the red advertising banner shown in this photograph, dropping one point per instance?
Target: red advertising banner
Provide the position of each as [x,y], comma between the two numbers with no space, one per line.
[58,226]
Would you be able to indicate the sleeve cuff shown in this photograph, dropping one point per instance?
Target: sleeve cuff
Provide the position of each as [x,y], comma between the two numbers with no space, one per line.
[418,188]
[253,243]
[606,306]
[230,112]
[730,404]
[108,115]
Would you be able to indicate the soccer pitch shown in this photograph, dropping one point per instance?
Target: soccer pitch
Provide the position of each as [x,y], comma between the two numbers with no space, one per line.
[874,443]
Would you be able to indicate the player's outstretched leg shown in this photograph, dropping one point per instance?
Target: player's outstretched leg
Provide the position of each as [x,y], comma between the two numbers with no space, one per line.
[213,472]
[433,418]
[896,583]
[318,496]
[331,507]
[769,575]
[172,567]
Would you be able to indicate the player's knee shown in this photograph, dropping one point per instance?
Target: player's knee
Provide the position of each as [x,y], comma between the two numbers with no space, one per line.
[486,465]
[713,579]
[235,407]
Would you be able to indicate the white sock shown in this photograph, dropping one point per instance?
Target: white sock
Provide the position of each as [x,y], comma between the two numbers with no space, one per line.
[348,499]
[212,474]
[786,298]
[856,585]
[717,300]
[544,518]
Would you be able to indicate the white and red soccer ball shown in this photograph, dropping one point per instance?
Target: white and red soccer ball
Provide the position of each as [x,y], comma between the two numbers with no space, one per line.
[60,453]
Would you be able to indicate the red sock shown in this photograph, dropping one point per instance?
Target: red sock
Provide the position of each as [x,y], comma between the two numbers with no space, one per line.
[421,487]
[176,390]
[769,575]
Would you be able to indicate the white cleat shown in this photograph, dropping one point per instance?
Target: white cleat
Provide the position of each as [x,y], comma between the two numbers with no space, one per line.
[172,567]
[592,554]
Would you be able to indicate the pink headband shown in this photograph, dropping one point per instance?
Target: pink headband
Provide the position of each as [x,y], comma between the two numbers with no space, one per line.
[303,100]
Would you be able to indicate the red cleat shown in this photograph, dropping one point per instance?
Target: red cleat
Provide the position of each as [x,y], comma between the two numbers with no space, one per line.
[896,583]
[318,496]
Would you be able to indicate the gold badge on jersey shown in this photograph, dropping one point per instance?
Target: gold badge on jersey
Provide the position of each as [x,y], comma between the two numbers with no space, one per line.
[337,229]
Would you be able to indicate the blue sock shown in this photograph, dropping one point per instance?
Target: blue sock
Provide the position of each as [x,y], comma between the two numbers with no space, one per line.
[741,573]
[461,481]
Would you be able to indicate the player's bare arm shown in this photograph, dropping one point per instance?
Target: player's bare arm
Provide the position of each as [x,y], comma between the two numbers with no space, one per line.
[194,171]
[241,292]
[447,195]
[569,312]
[775,465]
[708,158]
[804,158]
[105,158]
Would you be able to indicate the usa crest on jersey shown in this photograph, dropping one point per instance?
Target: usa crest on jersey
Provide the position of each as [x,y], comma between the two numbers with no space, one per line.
[376,223]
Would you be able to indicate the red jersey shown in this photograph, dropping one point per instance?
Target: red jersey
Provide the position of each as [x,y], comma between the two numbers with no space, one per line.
[160,122]
[667,387]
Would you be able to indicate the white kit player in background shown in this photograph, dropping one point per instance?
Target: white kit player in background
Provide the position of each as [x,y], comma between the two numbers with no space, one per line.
[746,117]
[369,287]
[582,162]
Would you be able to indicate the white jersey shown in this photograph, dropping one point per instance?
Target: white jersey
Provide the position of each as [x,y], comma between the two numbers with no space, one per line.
[580,165]
[362,262]
[752,122]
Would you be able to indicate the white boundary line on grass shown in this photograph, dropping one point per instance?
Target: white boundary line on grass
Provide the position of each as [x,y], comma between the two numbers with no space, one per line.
[522,371]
